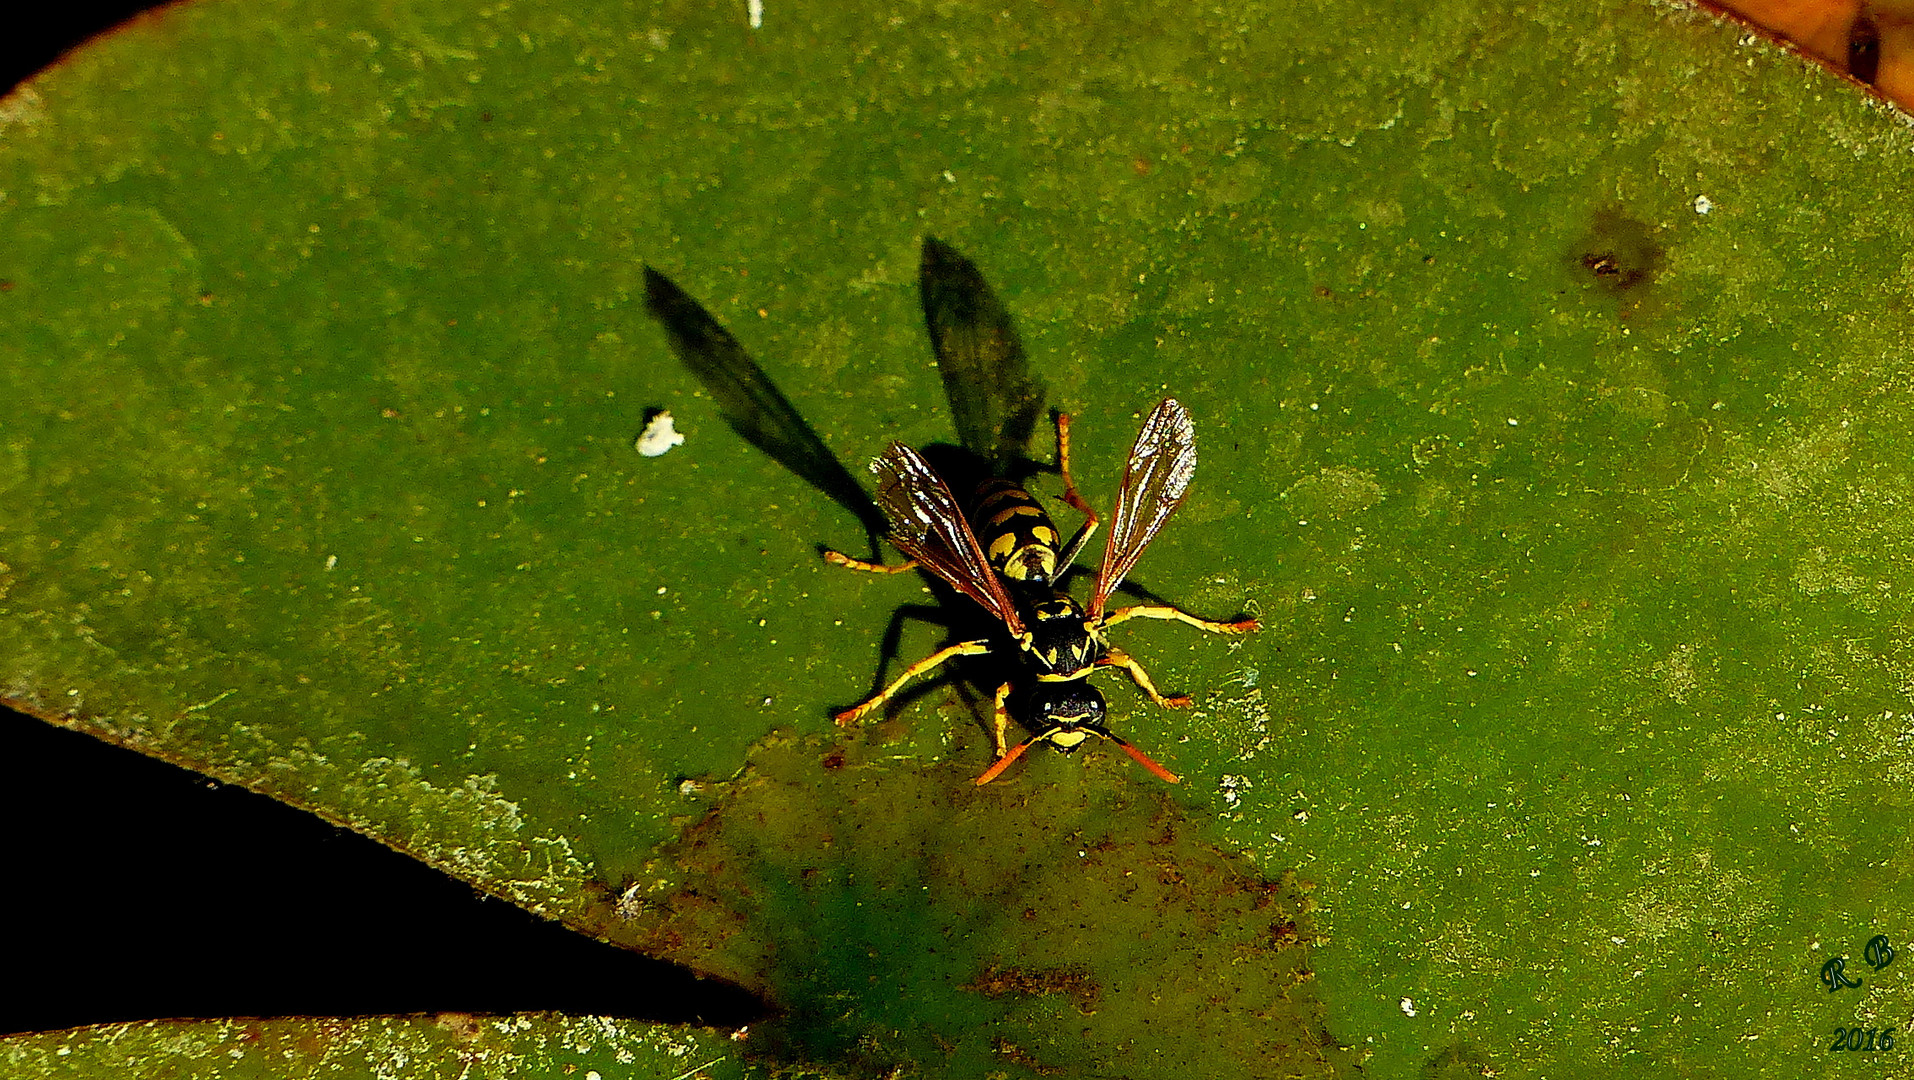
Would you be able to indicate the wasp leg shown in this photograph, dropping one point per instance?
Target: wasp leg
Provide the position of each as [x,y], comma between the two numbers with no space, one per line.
[962,648]
[1002,719]
[1155,611]
[1070,551]
[1070,494]
[1121,659]
[840,559]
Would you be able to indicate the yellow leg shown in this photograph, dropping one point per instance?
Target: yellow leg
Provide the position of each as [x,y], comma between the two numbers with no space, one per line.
[1118,658]
[1153,611]
[1002,718]
[849,563]
[962,648]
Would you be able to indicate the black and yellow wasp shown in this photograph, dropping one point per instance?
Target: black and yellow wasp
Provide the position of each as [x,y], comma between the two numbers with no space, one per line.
[1017,535]
[1000,549]
[1004,557]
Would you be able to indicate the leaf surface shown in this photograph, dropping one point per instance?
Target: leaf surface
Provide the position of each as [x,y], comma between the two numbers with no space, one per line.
[1550,372]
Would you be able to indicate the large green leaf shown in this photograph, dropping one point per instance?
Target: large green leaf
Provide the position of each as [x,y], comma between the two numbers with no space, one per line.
[449,1044]
[1550,368]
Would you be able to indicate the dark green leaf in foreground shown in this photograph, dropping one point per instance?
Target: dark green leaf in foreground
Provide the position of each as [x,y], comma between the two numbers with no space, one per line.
[1551,370]
[1069,921]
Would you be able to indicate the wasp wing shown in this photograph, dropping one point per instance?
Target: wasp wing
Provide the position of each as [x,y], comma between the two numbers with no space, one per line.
[928,525]
[994,399]
[1155,480]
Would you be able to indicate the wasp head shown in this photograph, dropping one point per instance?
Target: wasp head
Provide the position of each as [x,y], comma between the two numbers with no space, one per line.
[1068,713]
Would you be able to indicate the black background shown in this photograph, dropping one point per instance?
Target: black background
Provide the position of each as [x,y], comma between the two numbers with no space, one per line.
[131,889]
[34,36]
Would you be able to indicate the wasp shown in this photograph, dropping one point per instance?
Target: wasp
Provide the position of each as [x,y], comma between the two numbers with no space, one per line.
[1017,535]
[1055,642]
[995,401]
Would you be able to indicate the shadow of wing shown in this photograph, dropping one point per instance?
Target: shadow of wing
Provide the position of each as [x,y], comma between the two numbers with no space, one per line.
[751,403]
[994,399]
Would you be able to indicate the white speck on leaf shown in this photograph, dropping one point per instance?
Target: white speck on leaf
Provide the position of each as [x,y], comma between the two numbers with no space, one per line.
[658,436]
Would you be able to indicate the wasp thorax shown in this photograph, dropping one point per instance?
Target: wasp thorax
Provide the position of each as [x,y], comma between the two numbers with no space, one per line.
[1060,639]
[1059,608]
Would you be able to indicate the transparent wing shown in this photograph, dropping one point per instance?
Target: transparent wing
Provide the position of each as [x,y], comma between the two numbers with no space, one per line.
[1155,480]
[927,524]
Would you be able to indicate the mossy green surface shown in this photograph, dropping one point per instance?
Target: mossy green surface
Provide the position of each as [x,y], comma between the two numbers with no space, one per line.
[1551,371]
[378,1048]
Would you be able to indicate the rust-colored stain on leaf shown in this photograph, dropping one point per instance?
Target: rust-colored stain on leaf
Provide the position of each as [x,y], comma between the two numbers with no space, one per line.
[1071,980]
[1091,925]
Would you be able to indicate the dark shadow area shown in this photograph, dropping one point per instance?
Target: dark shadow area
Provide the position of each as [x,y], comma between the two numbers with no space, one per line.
[1070,920]
[751,403]
[36,36]
[994,400]
[137,890]
[1864,47]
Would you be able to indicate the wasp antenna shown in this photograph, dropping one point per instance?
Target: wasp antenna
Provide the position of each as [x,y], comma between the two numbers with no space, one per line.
[1004,762]
[1143,759]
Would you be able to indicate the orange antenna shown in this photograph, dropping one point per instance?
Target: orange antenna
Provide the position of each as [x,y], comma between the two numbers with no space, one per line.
[1143,759]
[1004,762]
[1136,755]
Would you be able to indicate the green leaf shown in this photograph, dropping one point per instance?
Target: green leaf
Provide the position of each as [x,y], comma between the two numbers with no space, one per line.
[449,1044]
[1550,370]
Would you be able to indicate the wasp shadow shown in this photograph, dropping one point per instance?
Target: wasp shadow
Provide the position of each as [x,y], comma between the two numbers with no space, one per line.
[995,403]
[752,404]
[994,399]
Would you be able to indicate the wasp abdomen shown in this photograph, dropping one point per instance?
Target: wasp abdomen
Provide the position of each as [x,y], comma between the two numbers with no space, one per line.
[1017,536]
